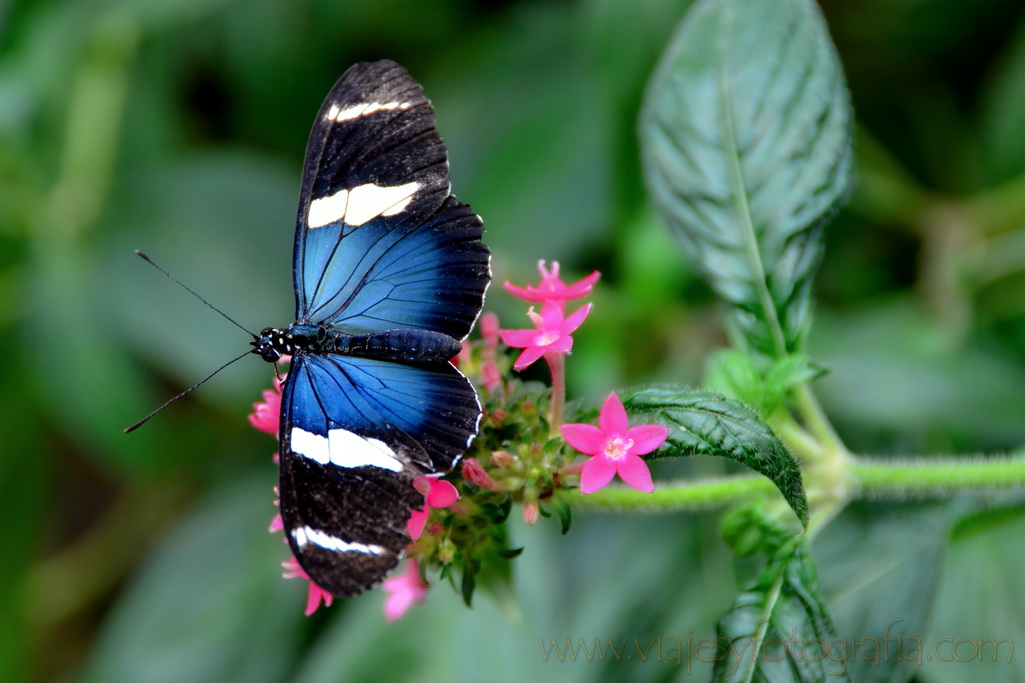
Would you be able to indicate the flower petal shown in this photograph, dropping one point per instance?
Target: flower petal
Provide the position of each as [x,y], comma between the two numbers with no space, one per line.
[596,474]
[560,345]
[519,339]
[587,439]
[314,597]
[442,494]
[581,287]
[530,294]
[528,356]
[403,590]
[416,522]
[575,319]
[646,438]
[551,314]
[635,473]
[612,418]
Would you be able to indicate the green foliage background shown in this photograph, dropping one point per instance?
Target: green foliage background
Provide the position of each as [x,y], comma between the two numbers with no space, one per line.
[177,127]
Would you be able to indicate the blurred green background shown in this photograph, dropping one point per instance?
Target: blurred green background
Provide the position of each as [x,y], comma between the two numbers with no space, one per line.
[178,127]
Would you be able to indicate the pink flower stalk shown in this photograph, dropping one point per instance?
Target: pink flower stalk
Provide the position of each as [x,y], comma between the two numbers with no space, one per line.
[266,415]
[550,336]
[476,475]
[490,376]
[616,448]
[403,591]
[437,493]
[489,332]
[316,594]
[552,289]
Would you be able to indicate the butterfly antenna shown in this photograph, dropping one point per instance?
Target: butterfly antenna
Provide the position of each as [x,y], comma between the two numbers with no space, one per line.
[224,315]
[172,400]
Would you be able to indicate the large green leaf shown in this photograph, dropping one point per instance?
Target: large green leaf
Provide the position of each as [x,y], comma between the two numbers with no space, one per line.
[746,137]
[881,567]
[707,423]
[778,629]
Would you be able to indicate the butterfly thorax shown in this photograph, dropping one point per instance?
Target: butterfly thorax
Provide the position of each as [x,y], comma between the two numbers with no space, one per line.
[401,345]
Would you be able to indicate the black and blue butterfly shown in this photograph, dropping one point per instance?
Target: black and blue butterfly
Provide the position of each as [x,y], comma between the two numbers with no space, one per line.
[390,275]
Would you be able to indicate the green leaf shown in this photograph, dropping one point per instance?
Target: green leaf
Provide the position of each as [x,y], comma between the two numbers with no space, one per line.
[978,607]
[746,140]
[881,567]
[735,374]
[707,423]
[778,629]
[564,512]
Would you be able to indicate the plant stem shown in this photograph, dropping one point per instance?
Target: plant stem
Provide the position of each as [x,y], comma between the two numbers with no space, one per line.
[699,494]
[815,420]
[557,366]
[936,477]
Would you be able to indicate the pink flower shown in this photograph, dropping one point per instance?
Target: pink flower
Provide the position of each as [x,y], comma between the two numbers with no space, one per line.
[551,334]
[489,331]
[476,475]
[616,447]
[551,288]
[437,493]
[490,376]
[267,415]
[531,510]
[403,590]
[316,594]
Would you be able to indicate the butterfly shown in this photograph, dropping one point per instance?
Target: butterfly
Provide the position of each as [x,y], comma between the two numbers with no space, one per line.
[390,275]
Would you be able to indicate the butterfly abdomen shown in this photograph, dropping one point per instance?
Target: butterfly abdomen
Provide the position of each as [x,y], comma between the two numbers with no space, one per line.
[403,345]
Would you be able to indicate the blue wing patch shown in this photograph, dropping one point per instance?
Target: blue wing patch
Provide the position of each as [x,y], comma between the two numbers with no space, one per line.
[406,271]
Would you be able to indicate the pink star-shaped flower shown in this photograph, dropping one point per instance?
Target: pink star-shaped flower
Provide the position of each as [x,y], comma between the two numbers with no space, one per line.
[616,448]
[551,288]
[266,415]
[316,594]
[403,591]
[438,493]
[551,334]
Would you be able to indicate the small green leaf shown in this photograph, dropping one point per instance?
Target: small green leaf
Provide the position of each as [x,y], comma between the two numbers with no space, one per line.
[792,371]
[746,141]
[707,423]
[752,528]
[562,510]
[778,629]
[735,374]
[469,582]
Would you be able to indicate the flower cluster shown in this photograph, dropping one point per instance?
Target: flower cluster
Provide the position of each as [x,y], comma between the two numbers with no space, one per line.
[522,454]
[615,447]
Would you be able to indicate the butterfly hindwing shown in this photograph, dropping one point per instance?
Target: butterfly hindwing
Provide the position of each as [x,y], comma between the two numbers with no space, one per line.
[380,242]
[355,432]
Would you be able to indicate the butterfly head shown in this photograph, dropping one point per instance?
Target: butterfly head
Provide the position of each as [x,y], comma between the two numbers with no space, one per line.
[271,344]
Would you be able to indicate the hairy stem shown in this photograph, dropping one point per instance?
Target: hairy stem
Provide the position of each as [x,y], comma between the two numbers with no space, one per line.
[701,494]
[936,477]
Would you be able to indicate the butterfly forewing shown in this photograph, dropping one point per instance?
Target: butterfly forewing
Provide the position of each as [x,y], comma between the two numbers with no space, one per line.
[380,245]
[376,189]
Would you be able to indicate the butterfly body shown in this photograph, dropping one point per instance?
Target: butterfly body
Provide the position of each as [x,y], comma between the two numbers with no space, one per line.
[389,274]
[401,346]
